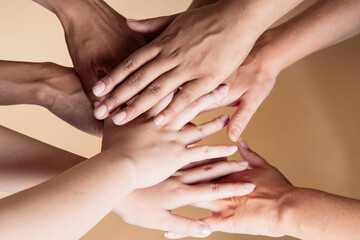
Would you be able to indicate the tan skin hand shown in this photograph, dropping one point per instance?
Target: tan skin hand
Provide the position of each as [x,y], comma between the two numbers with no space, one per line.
[179,55]
[258,213]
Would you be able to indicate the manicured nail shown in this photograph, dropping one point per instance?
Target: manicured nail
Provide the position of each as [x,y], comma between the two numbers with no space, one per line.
[243,144]
[243,163]
[159,119]
[98,88]
[249,186]
[235,134]
[169,234]
[205,230]
[101,111]
[224,118]
[117,119]
[223,89]
[232,149]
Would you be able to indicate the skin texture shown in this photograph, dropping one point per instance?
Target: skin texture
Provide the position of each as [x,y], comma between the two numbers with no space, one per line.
[276,208]
[183,54]
[330,21]
[49,85]
[93,182]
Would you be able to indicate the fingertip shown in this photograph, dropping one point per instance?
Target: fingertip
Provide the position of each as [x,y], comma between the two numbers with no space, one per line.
[225,118]
[159,120]
[99,89]
[234,134]
[119,118]
[100,112]
[243,144]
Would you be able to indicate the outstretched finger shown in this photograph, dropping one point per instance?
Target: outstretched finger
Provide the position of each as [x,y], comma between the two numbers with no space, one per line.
[196,133]
[125,69]
[210,172]
[190,93]
[197,107]
[199,153]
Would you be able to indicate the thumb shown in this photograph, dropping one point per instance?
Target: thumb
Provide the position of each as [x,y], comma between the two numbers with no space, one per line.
[184,227]
[151,26]
[241,118]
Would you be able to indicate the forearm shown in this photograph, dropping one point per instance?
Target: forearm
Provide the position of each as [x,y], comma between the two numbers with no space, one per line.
[26,162]
[68,205]
[312,214]
[320,26]
[23,83]
[260,14]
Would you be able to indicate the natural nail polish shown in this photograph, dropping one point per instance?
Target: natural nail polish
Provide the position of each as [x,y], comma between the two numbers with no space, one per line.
[101,111]
[118,118]
[159,119]
[249,186]
[205,230]
[224,118]
[223,89]
[243,144]
[243,163]
[232,149]
[98,88]
[235,134]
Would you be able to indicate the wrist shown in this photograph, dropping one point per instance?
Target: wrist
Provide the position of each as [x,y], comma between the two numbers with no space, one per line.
[288,208]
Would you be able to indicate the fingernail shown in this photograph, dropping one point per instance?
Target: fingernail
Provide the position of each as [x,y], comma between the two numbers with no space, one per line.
[96,103]
[169,234]
[159,119]
[235,134]
[98,88]
[117,119]
[131,20]
[232,149]
[224,118]
[243,163]
[249,186]
[205,230]
[101,111]
[243,144]
[223,89]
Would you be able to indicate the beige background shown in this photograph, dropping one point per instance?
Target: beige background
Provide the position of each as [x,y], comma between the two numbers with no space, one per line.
[308,127]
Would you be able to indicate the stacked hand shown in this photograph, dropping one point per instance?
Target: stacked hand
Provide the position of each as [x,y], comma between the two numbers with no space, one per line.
[259,213]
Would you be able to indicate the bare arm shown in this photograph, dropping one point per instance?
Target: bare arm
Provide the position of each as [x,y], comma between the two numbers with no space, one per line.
[51,86]
[26,162]
[312,214]
[322,25]
[276,208]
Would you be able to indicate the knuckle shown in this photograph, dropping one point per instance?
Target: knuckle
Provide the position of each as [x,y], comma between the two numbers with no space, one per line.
[174,53]
[136,79]
[207,167]
[215,187]
[112,101]
[128,64]
[206,149]
[185,97]
[109,81]
[154,89]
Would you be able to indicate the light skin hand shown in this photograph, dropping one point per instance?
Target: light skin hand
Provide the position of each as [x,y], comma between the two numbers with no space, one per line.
[183,188]
[181,55]
[172,140]
[276,208]
[49,85]
[330,21]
